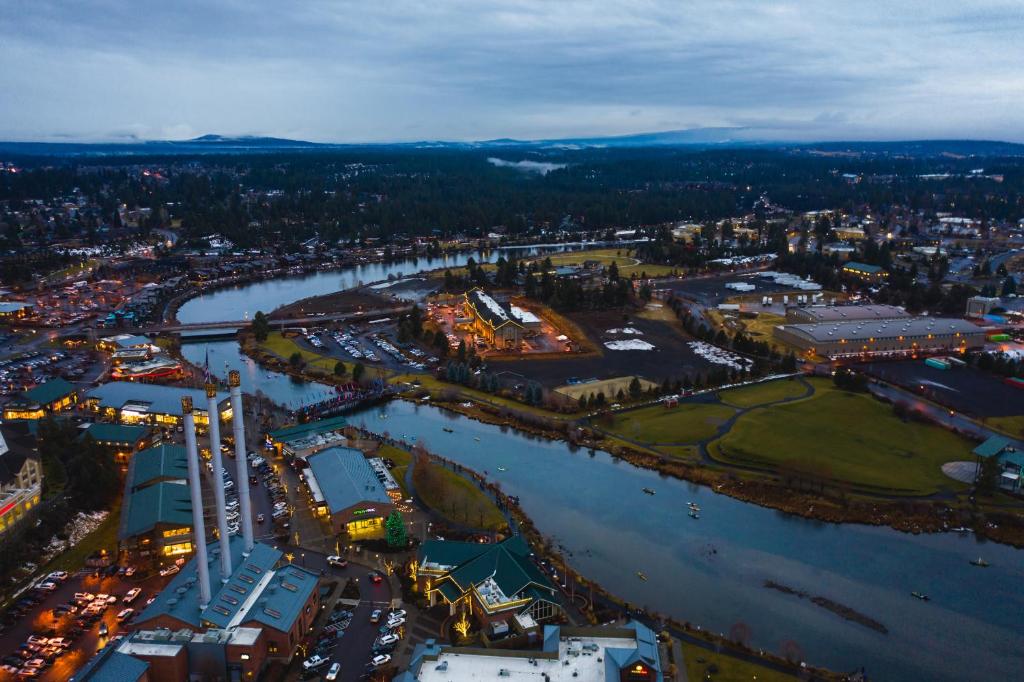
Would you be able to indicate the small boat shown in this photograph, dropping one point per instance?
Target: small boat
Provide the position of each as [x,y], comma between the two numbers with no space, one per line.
[980,562]
[921,596]
[477,440]
[641,576]
[649,491]
[693,514]
[693,506]
[502,469]
[448,430]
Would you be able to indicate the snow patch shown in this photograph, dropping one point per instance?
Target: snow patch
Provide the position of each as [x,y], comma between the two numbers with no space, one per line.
[719,356]
[624,330]
[628,344]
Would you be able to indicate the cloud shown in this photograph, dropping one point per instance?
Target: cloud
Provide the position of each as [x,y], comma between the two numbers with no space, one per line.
[540,167]
[461,69]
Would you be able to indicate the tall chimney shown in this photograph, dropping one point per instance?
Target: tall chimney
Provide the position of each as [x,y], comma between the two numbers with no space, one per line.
[218,482]
[194,484]
[238,424]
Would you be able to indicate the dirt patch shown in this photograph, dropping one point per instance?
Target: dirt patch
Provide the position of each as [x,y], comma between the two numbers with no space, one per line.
[338,302]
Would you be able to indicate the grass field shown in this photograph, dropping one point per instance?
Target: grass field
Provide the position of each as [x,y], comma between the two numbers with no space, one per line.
[402,459]
[700,660]
[1013,426]
[627,264]
[760,394]
[688,423]
[455,498]
[284,347]
[610,388]
[867,446]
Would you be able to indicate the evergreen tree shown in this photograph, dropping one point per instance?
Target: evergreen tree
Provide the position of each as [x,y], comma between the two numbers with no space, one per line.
[395,529]
[260,326]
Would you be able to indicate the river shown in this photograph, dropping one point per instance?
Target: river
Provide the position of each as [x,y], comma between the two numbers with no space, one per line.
[709,571]
[241,302]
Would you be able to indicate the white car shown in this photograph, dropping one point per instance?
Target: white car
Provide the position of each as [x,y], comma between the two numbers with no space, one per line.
[399,613]
[382,659]
[395,622]
[387,640]
[131,595]
[314,662]
[57,576]
[337,561]
[332,674]
[170,570]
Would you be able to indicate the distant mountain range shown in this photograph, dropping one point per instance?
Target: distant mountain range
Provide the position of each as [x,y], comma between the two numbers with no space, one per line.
[699,138]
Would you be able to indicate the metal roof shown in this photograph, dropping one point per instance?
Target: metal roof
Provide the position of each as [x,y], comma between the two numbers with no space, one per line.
[346,478]
[862,330]
[103,432]
[110,665]
[165,461]
[46,393]
[993,446]
[302,430]
[160,503]
[159,399]
[854,312]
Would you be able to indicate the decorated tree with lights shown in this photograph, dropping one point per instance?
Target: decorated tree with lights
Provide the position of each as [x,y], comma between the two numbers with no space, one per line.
[395,528]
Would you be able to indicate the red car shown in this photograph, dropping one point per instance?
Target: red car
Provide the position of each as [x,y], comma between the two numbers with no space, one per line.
[376,578]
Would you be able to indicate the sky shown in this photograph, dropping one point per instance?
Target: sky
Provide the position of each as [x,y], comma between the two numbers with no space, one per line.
[391,70]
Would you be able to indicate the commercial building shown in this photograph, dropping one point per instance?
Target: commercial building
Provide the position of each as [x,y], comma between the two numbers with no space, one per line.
[493,582]
[629,653]
[21,477]
[979,306]
[816,314]
[122,439]
[262,611]
[15,310]
[156,514]
[47,398]
[306,439]
[346,488]
[121,342]
[492,320]
[882,338]
[865,272]
[127,402]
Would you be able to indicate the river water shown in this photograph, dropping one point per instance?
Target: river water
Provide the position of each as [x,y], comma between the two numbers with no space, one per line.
[710,571]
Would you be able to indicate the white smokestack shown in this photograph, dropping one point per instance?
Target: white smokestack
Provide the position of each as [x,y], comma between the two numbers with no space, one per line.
[238,424]
[194,484]
[218,483]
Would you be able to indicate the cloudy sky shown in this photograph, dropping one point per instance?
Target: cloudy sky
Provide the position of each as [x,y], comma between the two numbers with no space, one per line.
[476,69]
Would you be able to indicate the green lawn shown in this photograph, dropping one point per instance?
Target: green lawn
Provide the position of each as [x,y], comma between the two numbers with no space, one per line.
[729,669]
[1013,426]
[846,437]
[760,394]
[688,423]
[455,498]
[626,264]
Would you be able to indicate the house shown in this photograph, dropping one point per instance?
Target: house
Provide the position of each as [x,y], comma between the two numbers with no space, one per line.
[1009,460]
[46,398]
[493,582]
[21,477]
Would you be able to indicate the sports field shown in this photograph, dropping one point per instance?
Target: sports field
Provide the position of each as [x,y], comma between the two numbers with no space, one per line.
[845,437]
[610,388]
[688,423]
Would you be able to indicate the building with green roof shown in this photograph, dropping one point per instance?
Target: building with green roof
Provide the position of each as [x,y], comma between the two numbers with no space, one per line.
[864,271]
[123,439]
[129,402]
[109,665]
[303,440]
[156,514]
[46,398]
[499,581]
[1009,459]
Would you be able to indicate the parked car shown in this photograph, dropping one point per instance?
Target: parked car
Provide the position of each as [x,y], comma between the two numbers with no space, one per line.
[131,595]
[315,661]
[387,640]
[379,660]
[170,570]
[332,674]
[125,614]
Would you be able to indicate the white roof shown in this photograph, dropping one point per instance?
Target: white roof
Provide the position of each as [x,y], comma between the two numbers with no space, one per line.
[586,662]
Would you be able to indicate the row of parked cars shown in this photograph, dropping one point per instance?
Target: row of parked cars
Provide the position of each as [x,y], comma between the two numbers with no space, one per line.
[262,471]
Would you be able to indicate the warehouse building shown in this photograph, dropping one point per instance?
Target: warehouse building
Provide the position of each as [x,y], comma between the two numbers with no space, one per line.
[156,514]
[883,338]
[306,439]
[128,402]
[45,399]
[492,320]
[817,314]
[345,487]
[496,583]
[630,653]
